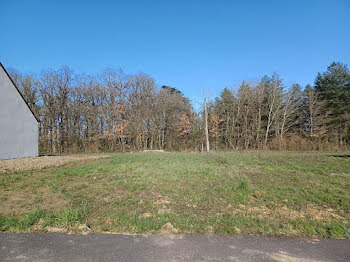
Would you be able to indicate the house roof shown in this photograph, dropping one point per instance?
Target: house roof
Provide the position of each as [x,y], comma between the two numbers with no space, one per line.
[19,91]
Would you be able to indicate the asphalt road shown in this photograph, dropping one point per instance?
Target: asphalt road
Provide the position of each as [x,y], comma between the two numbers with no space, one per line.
[102,247]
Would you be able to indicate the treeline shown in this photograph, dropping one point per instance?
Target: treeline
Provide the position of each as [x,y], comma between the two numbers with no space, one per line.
[118,112]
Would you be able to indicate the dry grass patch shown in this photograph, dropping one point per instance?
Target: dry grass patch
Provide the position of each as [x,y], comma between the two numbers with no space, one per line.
[43,162]
[309,212]
[20,202]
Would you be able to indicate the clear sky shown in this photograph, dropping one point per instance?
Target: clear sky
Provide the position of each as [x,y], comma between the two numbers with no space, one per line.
[195,46]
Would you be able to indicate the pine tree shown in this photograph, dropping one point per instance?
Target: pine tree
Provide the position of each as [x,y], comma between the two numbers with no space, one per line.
[333,87]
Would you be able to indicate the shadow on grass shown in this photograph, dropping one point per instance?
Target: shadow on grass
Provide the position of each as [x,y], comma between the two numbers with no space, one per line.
[342,156]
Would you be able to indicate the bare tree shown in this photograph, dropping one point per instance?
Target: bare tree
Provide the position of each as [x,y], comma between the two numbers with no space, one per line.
[117,112]
[273,90]
[292,100]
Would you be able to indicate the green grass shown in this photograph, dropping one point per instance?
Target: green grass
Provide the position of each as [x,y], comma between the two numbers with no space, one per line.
[261,193]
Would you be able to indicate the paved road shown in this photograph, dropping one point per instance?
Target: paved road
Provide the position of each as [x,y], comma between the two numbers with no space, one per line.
[99,247]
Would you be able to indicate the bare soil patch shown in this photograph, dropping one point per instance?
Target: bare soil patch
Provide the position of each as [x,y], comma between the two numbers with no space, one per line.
[316,214]
[168,228]
[43,162]
[154,151]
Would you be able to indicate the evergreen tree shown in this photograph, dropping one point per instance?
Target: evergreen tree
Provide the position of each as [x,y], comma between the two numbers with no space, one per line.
[333,87]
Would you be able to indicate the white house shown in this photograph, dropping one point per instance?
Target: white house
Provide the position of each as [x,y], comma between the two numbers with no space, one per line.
[18,124]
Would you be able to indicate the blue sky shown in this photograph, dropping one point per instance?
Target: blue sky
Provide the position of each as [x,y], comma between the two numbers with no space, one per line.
[200,47]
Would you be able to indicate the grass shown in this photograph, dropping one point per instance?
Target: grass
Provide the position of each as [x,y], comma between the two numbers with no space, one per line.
[260,193]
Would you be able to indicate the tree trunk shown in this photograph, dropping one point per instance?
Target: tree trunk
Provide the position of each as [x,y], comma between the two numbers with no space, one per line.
[206,125]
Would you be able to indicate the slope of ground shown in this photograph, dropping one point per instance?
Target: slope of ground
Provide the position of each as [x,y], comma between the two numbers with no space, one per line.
[262,193]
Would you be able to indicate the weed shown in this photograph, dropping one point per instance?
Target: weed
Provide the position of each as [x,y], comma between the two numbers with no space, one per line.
[244,186]
[30,218]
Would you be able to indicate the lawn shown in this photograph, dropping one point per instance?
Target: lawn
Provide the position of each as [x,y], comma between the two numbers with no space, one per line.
[239,193]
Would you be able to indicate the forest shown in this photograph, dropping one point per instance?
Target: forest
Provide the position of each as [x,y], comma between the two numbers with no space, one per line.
[117,112]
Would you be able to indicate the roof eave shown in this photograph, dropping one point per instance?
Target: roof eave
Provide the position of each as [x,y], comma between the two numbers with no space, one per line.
[19,92]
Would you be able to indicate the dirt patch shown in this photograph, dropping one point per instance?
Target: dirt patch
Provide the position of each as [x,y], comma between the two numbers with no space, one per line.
[146,215]
[283,211]
[153,151]
[162,204]
[168,228]
[56,229]
[22,164]
[221,160]
[19,202]
[340,174]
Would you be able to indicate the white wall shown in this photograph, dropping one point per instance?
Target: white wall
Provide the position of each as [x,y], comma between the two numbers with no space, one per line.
[18,126]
